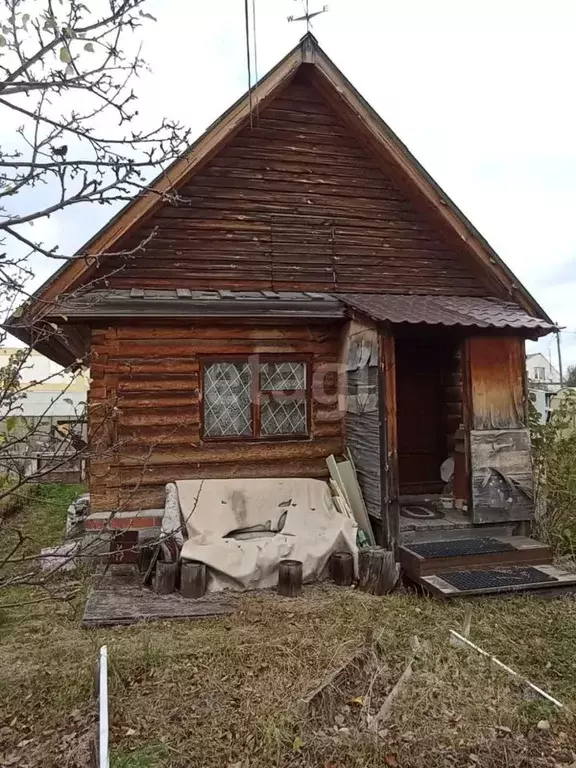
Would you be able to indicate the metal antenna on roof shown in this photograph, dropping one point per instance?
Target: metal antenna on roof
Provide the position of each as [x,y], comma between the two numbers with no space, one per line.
[247,31]
[254,41]
[307,16]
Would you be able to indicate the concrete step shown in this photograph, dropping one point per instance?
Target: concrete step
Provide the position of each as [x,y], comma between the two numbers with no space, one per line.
[474,553]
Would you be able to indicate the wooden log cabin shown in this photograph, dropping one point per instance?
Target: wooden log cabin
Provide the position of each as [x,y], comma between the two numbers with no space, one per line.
[309,291]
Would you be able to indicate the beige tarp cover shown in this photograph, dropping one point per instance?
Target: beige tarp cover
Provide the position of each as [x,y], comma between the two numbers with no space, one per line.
[218,511]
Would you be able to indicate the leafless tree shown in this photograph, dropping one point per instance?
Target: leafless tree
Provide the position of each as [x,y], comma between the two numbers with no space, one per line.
[70,135]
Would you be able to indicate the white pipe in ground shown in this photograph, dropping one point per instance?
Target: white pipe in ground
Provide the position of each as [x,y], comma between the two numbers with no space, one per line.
[103,690]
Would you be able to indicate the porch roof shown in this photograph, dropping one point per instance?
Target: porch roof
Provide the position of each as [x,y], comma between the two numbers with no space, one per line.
[446,310]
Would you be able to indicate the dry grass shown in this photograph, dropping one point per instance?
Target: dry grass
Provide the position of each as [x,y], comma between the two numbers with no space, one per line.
[221,693]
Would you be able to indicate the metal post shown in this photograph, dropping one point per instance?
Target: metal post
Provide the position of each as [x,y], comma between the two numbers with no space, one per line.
[104,756]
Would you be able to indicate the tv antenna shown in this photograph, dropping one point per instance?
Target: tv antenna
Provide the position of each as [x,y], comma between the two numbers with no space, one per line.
[307,16]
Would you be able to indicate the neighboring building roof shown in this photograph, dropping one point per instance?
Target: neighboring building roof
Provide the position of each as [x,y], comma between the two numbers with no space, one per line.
[445,310]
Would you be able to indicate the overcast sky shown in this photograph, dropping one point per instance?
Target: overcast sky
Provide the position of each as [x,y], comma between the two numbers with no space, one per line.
[481,91]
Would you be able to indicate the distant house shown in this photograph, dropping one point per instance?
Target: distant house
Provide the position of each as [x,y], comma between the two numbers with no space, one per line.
[541,372]
[50,408]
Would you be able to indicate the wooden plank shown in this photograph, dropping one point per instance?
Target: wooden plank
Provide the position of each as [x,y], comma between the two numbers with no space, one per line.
[120,600]
[343,474]
[501,475]
[496,371]
[389,444]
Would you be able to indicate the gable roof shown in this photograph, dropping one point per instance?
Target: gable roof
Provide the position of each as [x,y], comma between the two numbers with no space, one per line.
[361,119]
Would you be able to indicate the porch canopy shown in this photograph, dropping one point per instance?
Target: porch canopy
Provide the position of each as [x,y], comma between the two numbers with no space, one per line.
[446,311]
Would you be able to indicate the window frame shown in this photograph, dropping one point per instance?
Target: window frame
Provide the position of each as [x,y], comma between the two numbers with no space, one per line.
[539,373]
[256,361]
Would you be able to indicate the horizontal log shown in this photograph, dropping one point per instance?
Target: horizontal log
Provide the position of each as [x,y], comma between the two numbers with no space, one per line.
[157,415]
[261,333]
[183,434]
[127,402]
[146,382]
[327,429]
[145,497]
[140,478]
[226,451]
[320,416]
[144,348]
[138,367]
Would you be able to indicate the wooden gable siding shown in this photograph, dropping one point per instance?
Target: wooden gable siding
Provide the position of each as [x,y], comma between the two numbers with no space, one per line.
[295,202]
[145,410]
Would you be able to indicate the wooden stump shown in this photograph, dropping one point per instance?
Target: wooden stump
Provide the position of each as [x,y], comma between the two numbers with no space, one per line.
[193,579]
[342,568]
[290,578]
[377,570]
[145,556]
[165,578]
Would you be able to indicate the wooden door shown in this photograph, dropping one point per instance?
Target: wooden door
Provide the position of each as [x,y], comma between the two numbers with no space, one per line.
[500,459]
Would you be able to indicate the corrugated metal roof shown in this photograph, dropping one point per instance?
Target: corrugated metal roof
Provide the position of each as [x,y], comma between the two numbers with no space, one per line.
[445,310]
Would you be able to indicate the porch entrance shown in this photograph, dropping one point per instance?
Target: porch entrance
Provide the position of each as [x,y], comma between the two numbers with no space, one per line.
[429,409]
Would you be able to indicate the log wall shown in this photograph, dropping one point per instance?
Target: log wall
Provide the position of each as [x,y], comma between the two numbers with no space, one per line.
[294,203]
[145,409]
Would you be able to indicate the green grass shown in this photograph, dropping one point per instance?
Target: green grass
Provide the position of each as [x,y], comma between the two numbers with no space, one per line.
[218,693]
[41,522]
[151,756]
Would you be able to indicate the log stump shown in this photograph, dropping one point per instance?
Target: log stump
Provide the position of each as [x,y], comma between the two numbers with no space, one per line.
[193,579]
[145,556]
[377,570]
[290,578]
[342,568]
[165,578]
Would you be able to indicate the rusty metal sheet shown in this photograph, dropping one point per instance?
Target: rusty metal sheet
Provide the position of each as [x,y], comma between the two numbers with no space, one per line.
[445,310]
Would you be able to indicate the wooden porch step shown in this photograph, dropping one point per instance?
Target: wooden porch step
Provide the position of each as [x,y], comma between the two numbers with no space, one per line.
[468,554]
[545,580]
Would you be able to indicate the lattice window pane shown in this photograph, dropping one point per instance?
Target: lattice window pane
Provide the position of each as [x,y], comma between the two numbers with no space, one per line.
[282,415]
[227,399]
[282,376]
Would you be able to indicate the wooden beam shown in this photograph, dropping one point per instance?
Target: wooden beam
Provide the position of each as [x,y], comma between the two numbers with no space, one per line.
[389,440]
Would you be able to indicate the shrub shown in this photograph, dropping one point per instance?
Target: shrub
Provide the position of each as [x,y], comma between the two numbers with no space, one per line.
[554,460]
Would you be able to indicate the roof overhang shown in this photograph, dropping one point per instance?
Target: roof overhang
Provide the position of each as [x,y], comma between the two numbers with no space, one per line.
[447,311]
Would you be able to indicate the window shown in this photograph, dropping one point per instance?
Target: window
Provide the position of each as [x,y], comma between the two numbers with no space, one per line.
[255,398]
[539,373]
